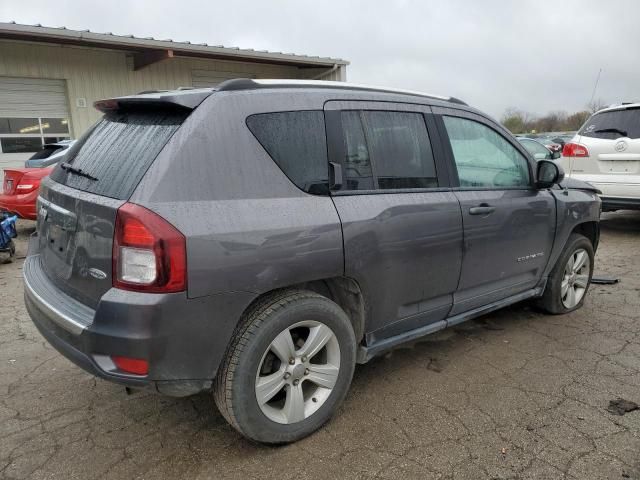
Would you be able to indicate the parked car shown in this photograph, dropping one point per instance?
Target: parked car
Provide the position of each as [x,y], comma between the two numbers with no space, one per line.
[606,153]
[20,191]
[261,238]
[538,150]
[549,143]
[50,154]
[562,139]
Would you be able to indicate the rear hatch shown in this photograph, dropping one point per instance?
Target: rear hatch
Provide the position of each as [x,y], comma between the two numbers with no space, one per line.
[612,138]
[78,203]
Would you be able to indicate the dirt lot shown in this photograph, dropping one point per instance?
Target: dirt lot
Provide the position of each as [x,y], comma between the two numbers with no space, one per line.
[516,394]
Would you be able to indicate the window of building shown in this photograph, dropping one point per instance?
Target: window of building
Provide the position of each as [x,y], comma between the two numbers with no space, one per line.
[28,135]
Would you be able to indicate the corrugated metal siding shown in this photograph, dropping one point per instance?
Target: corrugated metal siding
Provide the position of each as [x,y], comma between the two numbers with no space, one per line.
[338,75]
[211,78]
[93,74]
[33,97]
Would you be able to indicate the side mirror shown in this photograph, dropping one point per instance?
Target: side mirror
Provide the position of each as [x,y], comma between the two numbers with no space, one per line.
[555,155]
[549,174]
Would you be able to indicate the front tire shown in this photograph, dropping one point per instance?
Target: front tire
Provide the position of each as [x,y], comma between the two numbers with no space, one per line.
[570,278]
[288,368]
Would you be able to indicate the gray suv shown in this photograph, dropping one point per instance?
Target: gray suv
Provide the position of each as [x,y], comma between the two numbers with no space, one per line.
[261,238]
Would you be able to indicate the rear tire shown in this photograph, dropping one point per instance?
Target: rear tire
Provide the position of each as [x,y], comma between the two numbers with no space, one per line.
[570,278]
[288,367]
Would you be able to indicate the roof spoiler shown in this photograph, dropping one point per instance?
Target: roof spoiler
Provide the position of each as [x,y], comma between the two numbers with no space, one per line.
[178,99]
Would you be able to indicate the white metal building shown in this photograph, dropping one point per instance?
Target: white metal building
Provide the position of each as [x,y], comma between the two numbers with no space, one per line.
[50,77]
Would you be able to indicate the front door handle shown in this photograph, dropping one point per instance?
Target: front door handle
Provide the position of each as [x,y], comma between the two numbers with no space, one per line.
[482,209]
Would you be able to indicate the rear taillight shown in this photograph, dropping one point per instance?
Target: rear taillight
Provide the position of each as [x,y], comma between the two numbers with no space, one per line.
[574,150]
[149,254]
[23,188]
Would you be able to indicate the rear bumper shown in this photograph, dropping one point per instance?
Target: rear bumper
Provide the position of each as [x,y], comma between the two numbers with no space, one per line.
[617,191]
[183,339]
[24,206]
[618,203]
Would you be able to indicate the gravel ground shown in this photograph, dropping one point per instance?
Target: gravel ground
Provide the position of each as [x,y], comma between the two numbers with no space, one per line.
[515,394]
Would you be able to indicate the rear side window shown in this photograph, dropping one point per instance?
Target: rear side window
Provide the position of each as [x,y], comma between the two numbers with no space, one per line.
[357,163]
[296,141]
[46,152]
[387,150]
[118,150]
[613,124]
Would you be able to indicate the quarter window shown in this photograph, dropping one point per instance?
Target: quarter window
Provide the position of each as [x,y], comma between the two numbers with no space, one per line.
[296,141]
[483,157]
[387,150]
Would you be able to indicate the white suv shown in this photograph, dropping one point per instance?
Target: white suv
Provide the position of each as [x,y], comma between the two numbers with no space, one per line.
[606,153]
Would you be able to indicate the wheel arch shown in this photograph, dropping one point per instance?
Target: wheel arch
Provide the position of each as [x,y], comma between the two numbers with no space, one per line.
[591,230]
[342,290]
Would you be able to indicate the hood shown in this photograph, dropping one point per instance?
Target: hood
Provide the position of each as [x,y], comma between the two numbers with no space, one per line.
[575,184]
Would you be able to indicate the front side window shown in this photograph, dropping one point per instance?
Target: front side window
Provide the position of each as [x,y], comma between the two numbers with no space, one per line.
[387,150]
[296,141]
[483,157]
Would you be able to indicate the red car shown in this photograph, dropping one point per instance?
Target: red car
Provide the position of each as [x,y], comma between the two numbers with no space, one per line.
[20,191]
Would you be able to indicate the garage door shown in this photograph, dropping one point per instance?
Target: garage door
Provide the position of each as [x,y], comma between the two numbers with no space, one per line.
[33,111]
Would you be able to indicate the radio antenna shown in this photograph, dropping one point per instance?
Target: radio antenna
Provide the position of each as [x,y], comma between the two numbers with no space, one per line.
[593,94]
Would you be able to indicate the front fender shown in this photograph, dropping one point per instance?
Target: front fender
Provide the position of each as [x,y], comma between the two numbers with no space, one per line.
[573,208]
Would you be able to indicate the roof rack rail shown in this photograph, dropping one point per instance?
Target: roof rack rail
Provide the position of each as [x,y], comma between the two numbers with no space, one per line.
[145,92]
[251,84]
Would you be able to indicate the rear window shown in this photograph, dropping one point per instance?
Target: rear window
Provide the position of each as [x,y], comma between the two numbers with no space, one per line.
[46,152]
[118,150]
[613,124]
[297,143]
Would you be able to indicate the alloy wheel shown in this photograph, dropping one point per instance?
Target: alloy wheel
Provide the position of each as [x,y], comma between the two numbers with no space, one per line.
[298,372]
[576,278]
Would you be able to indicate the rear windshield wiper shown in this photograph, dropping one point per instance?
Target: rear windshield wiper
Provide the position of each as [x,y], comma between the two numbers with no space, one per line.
[611,130]
[78,171]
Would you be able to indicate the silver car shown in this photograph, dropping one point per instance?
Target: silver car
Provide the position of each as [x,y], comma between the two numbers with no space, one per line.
[50,154]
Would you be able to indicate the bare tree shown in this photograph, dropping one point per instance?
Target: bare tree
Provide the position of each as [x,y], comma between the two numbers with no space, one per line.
[576,120]
[518,121]
[596,104]
[515,120]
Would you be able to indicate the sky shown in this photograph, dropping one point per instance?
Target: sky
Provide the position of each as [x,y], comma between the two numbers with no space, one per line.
[537,56]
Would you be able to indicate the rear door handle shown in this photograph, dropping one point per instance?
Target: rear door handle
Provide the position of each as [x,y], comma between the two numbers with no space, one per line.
[482,209]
